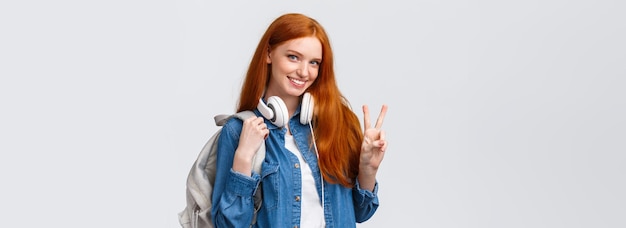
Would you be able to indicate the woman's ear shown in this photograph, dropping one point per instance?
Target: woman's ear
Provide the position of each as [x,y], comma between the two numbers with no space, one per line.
[269,59]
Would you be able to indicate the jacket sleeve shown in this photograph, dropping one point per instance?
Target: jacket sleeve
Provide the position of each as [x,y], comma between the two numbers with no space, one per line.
[232,199]
[365,202]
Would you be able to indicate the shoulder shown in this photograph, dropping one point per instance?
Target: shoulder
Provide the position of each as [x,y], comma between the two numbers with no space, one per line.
[233,125]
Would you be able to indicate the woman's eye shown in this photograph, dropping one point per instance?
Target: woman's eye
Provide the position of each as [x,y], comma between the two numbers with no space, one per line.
[316,63]
[292,57]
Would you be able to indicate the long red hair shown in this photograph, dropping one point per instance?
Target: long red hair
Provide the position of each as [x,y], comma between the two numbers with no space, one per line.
[337,129]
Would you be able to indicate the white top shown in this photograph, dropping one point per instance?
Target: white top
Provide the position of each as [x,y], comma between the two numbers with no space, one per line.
[312,213]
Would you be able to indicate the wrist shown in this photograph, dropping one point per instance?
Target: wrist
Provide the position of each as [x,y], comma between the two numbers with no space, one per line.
[367,170]
[242,164]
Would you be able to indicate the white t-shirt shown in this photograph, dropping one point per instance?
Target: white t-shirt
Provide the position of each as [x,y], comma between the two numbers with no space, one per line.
[312,213]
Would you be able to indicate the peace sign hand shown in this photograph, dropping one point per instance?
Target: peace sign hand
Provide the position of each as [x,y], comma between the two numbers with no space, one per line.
[374,143]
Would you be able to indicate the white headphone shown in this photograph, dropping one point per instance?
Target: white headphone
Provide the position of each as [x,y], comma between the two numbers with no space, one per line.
[276,111]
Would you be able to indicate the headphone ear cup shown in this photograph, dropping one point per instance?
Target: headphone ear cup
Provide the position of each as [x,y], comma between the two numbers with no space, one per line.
[280,117]
[306,109]
[266,111]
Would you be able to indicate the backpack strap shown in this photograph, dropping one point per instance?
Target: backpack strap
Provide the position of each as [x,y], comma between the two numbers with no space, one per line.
[258,159]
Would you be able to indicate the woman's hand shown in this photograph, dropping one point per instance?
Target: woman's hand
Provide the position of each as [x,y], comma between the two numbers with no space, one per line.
[372,149]
[253,134]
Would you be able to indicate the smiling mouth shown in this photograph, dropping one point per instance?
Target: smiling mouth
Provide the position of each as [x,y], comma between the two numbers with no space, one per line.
[296,81]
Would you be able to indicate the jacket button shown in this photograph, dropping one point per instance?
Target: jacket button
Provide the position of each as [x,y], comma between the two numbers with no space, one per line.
[298,198]
[296,165]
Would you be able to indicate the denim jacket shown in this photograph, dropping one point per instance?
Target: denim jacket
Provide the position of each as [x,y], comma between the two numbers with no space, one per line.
[281,184]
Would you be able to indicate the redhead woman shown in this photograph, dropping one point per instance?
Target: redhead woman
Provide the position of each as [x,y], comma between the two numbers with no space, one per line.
[320,166]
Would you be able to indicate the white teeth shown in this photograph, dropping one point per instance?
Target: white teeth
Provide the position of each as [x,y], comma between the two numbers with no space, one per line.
[299,82]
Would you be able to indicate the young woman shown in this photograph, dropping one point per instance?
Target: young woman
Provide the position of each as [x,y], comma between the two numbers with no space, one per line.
[320,166]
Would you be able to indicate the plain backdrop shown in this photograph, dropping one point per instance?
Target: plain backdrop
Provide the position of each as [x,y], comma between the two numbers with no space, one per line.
[501,113]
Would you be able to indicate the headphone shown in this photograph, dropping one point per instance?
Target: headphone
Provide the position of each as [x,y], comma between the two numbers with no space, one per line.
[276,111]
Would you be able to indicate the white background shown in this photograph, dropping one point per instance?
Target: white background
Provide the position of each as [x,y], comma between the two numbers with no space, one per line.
[500,114]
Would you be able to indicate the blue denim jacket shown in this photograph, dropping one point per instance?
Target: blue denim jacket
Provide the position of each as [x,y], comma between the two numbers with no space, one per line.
[281,185]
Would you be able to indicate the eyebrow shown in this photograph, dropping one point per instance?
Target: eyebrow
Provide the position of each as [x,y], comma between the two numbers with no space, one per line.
[300,54]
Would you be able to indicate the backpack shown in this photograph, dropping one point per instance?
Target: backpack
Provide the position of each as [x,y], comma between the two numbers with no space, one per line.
[197,213]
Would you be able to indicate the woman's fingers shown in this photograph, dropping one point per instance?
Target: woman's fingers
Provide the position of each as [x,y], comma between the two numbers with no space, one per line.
[383,142]
[381,117]
[366,117]
[381,139]
[257,125]
[262,127]
[379,120]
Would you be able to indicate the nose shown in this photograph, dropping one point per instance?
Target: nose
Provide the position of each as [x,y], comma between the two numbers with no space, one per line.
[303,70]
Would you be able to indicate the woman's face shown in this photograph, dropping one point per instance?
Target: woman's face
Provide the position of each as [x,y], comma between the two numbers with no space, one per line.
[295,65]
